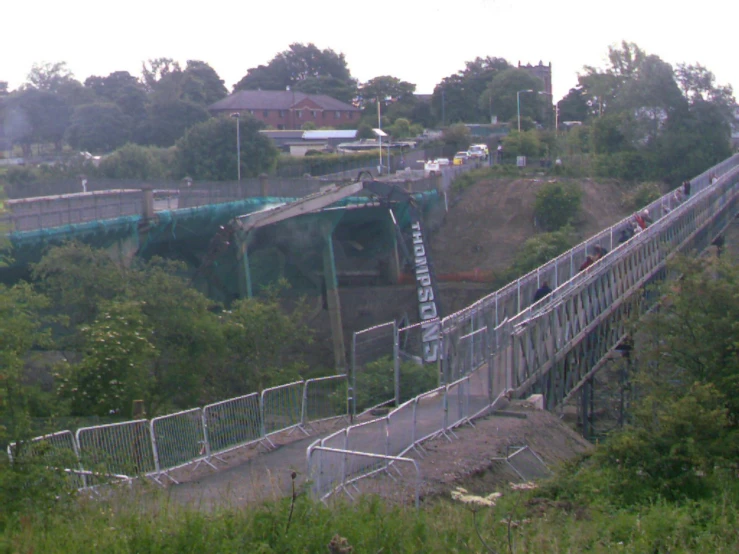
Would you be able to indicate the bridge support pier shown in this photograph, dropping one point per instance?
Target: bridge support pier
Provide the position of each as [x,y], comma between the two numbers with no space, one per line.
[394,260]
[587,401]
[242,263]
[332,296]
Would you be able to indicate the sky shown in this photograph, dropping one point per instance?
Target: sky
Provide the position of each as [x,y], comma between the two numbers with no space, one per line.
[417,41]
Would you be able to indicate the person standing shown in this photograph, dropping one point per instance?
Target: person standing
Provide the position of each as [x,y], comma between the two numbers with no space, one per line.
[686,189]
[542,291]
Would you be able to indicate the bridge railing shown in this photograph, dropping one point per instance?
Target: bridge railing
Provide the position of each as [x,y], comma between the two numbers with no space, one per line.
[518,295]
[44,212]
[156,447]
[560,332]
[431,414]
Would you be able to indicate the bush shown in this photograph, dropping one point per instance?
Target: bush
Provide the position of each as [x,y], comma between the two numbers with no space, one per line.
[630,166]
[541,248]
[136,162]
[557,205]
[375,382]
[643,194]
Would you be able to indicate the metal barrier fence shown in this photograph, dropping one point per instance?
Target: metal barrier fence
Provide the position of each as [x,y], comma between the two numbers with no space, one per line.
[154,448]
[376,345]
[178,440]
[282,408]
[120,448]
[233,423]
[428,415]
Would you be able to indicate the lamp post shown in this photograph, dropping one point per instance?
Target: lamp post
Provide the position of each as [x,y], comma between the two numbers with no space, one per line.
[237,116]
[518,106]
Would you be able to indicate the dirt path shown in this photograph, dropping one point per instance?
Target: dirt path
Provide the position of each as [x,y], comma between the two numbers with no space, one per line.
[444,462]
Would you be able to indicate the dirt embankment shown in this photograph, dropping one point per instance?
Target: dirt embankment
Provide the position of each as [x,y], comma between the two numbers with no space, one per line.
[489,221]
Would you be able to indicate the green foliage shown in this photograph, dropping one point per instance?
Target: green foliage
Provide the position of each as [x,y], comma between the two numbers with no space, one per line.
[264,343]
[457,137]
[557,205]
[628,165]
[115,369]
[147,334]
[457,97]
[375,383]
[502,95]
[642,195]
[98,128]
[473,176]
[541,248]
[208,150]
[525,143]
[305,68]
[135,162]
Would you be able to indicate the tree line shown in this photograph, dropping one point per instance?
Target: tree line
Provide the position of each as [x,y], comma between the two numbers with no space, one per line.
[635,118]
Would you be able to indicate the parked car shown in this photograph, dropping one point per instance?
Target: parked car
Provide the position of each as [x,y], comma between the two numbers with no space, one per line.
[431,169]
[479,151]
[442,161]
[461,158]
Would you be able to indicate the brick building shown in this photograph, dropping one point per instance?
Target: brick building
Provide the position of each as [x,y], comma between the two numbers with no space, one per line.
[285,109]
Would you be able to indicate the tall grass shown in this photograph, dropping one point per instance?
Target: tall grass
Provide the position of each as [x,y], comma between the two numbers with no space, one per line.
[528,521]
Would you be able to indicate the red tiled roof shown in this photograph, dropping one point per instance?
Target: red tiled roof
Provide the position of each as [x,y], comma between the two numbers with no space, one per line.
[276,100]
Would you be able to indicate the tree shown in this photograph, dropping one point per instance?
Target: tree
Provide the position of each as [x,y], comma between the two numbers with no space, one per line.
[501,96]
[457,97]
[557,205]
[45,115]
[306,68]
[20,331]
[208,150]
[198,83]
[113,86]
[49,77]
[574,106]
[154,70]
[457,137]
[98,128]
[115,368]
[3,88]
[133,162]
[525,143]
[387,89]
[168,120]
[265,339]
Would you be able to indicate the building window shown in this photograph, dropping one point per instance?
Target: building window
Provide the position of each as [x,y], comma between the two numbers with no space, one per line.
[265,113]
[280,127]
[313,114]
[251,112]
[337,115]
[282,113]
[350,115]
[300,114]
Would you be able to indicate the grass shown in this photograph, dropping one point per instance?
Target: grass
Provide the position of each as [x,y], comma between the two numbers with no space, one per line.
[536,523]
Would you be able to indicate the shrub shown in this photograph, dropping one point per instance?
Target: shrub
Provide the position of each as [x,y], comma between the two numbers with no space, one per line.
[375,382]
[541,248]
[642,195]
[557,205]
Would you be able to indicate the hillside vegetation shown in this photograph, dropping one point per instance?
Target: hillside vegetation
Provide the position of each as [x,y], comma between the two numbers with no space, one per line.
[664,483]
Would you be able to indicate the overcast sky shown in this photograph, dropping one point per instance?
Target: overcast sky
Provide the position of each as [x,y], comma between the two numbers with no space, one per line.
[417,41]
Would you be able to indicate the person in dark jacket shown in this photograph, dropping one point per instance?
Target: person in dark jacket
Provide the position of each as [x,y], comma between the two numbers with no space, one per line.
[686,188]
[542,291]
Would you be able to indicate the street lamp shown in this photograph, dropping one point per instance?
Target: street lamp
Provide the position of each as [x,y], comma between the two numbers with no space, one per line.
[237,116]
